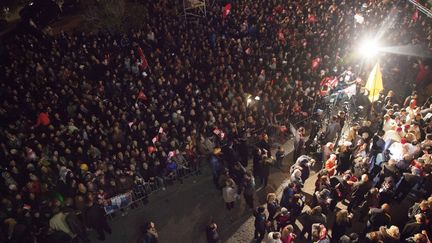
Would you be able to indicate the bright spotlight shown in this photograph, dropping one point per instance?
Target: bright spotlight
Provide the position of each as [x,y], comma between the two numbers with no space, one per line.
[369,48]
[257,98]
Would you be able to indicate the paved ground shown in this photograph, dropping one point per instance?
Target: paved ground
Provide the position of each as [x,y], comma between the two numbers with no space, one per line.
[182,211]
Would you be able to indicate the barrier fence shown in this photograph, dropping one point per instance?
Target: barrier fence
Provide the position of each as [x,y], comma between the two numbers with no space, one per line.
[138,195]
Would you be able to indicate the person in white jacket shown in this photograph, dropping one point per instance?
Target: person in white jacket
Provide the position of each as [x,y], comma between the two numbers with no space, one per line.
[229,194]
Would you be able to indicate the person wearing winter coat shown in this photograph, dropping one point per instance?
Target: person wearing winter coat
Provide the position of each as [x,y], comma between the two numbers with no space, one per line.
[229,194]
[260,224]
[212,234]
[274,237]
[272,206]
[384,234]
[248,189]
[96,219]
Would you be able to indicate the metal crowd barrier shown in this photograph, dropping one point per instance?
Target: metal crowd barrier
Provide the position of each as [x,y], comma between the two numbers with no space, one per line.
[138,195]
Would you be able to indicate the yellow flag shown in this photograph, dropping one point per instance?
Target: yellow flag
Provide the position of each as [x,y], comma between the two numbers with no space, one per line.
[374,83]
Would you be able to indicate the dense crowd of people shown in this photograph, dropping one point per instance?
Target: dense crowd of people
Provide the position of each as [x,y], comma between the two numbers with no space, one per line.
[88,116]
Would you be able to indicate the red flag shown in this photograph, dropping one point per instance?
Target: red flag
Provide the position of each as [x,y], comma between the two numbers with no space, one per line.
[142,96]
[155,139]
[281,36]
[171,154]
[311,19]
[415,16]
[217,131]
[144,63]
[226,10]
[315,63]
[151,149]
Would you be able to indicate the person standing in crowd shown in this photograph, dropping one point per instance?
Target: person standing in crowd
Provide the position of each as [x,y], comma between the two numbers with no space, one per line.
[150,234]
[358,191]
[97,220]
[216,165]
[272,207]
[314,216]
[299,143]
[248,189]
[58,223]
[384,234]
[332,132]
[266,163]
[331,165]
[260,224]
[102,108]
[414,227]
[378,217]
[288,235]
[229,194]
[280,155]
[212,234]
[342,223]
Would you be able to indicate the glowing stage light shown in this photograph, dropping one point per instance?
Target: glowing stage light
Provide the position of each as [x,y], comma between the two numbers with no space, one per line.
[257,98]
[369,48]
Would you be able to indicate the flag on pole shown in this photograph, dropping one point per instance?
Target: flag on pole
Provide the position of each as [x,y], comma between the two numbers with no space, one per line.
[226,10]
[374,83]
[141,96]
[144,63]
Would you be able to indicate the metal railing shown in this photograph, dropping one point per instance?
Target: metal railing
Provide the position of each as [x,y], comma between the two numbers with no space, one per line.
[421,8]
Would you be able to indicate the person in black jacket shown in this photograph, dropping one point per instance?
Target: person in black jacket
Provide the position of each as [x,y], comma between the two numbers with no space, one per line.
[212,234]
[260,224]
[97,220]
[150,233]
[358,191]
[378,217]
[414,227]
[76,225]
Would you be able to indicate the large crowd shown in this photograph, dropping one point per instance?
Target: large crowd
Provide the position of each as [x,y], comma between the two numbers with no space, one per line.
[87,116]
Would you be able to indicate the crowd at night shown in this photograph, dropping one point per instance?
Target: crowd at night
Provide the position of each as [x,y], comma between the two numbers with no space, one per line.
[88,116]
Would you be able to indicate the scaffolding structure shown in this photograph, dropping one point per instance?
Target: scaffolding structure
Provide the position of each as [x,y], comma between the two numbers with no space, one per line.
[194,9]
